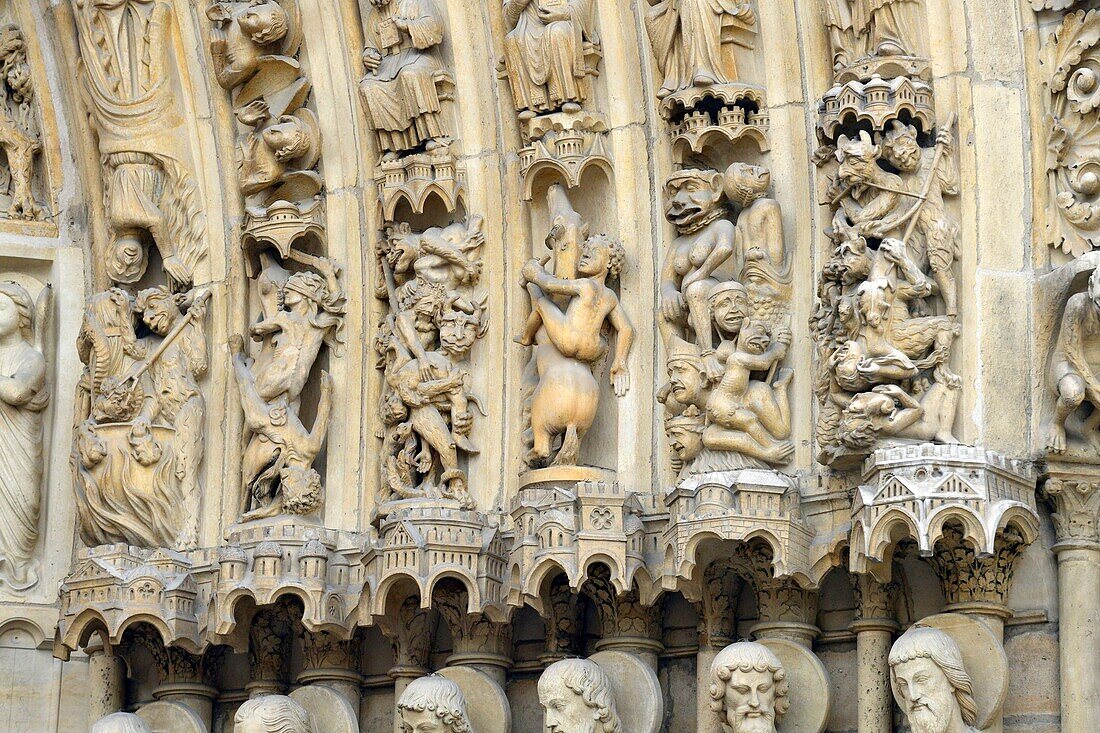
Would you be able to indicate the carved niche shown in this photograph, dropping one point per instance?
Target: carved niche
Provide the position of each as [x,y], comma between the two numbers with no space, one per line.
[700,47]
[139,418]
[725,319]
[131,93]
[24,395]
[20,128]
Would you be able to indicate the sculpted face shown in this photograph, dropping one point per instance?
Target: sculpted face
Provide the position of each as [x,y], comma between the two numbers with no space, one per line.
[691,197]
[565,710]
[686,380]
[594,259]
[926,695]
[264,22]
[747,182]
[421,721]
[457,333]
[730,308]
[159,314]
[754,337]
[9,315]
[750,702]
[287,138]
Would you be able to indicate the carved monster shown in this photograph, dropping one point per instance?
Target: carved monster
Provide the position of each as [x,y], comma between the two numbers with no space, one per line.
[130,91]
[20,135]
[1072,377]
[569,308]
[930,684]
[24,394]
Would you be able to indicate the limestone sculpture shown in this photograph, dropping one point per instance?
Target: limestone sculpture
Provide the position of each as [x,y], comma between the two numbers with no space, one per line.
[724,317]
[24,394]
[120,723]
[570,304]
[433,703]
[150,195]
[300,312]
[20,134]
[749,688]
[1071,375]
[576,697]
[139,418]
[405,82]
[428,280]
[551,52]
[272,714]
[869,37]
[882,353]
[930,683]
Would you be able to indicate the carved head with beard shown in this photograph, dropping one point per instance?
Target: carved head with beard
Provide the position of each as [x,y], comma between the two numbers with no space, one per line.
[930,683]
[749,688]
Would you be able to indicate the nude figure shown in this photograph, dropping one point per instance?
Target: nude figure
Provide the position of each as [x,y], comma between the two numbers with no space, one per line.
[1071,375]
[759,231]
[750,416]
[890,411]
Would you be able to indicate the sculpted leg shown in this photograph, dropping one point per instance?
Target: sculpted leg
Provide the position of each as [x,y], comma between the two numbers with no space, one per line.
[699,313]
[1071,393]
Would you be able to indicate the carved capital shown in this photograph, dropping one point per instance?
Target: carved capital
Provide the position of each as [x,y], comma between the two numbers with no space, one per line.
[325,650]
[562,626]
[783,600]
[269,641]
[410,631]
[474,634]
[717,610]
[1076,510]
[621,615]
[967,577]
[875,601]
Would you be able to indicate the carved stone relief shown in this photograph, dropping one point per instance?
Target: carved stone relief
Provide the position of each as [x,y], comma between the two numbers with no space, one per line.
[930,683]
[20,127]
[24,394]
[1072,427]
[433,703]
[130,91]
[577,697]
[876,37]
[749,688]
[138,432]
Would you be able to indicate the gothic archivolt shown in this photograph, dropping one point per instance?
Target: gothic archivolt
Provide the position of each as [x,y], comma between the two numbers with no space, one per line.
[456,367]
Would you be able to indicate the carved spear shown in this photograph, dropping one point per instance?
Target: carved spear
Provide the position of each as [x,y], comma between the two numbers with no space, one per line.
[913,215]
[174,334]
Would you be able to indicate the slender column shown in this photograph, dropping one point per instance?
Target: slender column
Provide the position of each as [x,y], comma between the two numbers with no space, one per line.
[717,629]
[105,673]
[1077,523]
[874,627]
[410,631]
[328,660]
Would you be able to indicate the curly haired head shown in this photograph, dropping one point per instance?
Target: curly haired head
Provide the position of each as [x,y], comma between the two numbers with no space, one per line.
[925,642]
[23,304]
[747,656]
[438,695]
[121,723]
[276,714]
[616,253]
[585,678]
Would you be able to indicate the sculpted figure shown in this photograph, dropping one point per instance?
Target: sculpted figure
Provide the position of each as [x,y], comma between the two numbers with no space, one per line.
[279,151]
[842,39]
[1071,375]
[930,683]
[889,27]
[546,54]
[272,714]
[576,697]
[704,242]
[891,412]
[121,723]
[759,232]
[24,394]
[254,32]
[433,703]
[149,190]
[569,341]
[19,129]
[686,36]
[278,460]
[426,406]
[749,688]
[405,80]
[138,438]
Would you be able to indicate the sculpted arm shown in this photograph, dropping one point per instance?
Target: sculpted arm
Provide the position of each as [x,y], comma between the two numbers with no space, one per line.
[513,9]
[624,340]
[1071,342]
[426,30]
[21,387]
[537,274]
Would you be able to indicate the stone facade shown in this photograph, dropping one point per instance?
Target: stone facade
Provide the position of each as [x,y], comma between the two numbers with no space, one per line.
[663,366]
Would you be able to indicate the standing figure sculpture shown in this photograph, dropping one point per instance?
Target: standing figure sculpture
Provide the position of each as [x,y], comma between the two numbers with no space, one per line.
[405,81]
[20,135]
[24,394]
[550,52]
[749,689]
[272,714]
[889,27]
[576,697]
[566,327]
[1071,376]
[433,703]
[930,684]
[687,39]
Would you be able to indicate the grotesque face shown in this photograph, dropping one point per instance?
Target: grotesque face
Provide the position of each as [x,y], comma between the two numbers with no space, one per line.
[457,333]
[903,148]
[9,316]
[858,159]
[745,183]
[750,702]
[594,259]
[686,380]
[565,710]
[755,337]
[685,440]
[403,252]
[926,695]
[159,315]
[730,307]
[421,721]
[691,196]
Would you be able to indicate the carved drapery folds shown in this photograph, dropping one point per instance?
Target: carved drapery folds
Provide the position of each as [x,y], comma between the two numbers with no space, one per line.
[725,318]
[876,37]
[20,127]
[139,417]
[24,394]
[130,91]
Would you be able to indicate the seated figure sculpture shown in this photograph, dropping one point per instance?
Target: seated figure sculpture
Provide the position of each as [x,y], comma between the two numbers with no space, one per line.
[1071,376]
[576,696]
[433,703]
[272,714]
[930,683]
[749,688]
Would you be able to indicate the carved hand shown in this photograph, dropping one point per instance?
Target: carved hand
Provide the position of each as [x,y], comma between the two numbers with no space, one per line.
[461,421]
[620,380]
[372,57]
[672,306]
[713,368]
[531,271]
[551,16]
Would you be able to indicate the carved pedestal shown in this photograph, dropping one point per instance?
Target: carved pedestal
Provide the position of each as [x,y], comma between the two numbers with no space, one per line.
[565,143]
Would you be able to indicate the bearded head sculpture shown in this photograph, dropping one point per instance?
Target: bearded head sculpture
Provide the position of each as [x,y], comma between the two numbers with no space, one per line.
[930,684]
[749,688]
